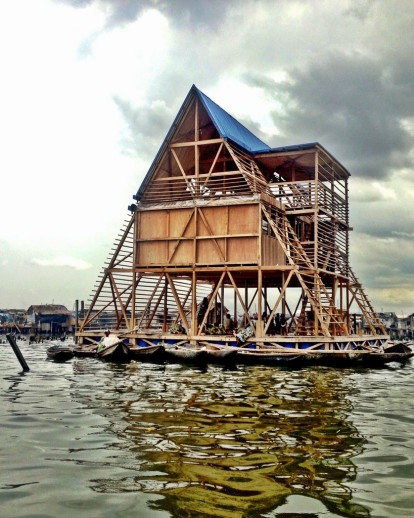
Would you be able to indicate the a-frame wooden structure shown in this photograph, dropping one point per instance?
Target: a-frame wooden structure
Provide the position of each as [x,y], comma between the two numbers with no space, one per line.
[224,223]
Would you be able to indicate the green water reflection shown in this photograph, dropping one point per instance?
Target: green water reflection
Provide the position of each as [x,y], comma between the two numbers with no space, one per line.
[238,443]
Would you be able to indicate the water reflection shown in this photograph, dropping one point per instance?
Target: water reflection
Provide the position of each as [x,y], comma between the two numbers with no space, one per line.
[243,442]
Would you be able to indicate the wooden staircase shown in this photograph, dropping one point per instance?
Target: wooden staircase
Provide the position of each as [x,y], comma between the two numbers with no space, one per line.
[316,298]
[364,304]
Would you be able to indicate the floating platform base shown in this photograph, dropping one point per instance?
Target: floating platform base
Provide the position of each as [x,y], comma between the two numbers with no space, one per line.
[278,350]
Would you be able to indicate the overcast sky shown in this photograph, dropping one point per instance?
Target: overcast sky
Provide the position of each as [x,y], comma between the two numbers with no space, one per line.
[90,88]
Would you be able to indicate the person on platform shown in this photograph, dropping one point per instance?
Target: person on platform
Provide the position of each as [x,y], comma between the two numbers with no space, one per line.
[242,335]
[103,342]
[228,325]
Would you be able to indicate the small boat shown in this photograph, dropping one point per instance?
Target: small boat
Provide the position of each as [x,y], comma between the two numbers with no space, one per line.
[85,351]
[112,348]
[393,352]
[145,353]
[220,352]
[186,353]
[267,356]
[59,352]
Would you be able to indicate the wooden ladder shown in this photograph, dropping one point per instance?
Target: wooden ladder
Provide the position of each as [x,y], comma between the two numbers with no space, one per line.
[365,305]
[318,298]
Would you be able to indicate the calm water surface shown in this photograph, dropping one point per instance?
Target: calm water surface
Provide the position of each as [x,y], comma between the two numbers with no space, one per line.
[92,439]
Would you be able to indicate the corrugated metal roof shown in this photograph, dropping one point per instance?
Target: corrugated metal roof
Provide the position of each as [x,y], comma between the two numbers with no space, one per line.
[295,147]
[229,128]
[49,309]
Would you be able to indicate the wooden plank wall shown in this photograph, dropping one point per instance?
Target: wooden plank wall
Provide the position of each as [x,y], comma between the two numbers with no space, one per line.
[204,235]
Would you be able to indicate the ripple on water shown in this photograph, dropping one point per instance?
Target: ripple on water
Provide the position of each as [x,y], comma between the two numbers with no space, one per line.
[92,438]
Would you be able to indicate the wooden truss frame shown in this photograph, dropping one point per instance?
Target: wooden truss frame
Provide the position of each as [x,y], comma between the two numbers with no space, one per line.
[215,223]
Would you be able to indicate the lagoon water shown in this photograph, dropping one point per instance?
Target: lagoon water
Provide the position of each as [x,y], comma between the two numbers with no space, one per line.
[93,439]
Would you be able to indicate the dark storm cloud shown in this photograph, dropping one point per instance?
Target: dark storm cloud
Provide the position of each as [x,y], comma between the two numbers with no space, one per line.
[194,13]
[385,220]
[146,127]
[361,9]
[383,263]
[351,104]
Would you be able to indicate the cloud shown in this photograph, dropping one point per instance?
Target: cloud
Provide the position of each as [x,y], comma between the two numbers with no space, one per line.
[63,261]
[292,71]
[409,235]
[145,124]
[385,268]
[365,191]
[121,12]
[348,103]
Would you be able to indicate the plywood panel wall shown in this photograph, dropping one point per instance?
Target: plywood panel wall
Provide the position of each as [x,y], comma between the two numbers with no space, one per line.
[204,235]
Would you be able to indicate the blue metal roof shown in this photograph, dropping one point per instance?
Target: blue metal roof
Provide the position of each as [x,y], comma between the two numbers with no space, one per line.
[295,147]
[229,128]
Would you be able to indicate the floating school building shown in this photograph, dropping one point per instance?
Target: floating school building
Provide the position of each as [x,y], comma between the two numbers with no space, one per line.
[223,223]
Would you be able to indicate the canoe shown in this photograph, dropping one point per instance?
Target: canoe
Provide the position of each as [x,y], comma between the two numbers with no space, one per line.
[85,351]
[400,352]
[59,352]
[146,353]
[397,348]
[220,352]
[266,356]
[112,348]
[392,352]
[383,358]
[186,353]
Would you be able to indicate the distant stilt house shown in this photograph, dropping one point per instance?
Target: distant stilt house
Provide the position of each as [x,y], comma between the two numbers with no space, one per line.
[53,319]
[13,321]
[223,223]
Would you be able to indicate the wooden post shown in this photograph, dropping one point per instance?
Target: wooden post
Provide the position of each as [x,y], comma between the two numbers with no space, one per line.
[222,304]
[194,325]
[76,319]
[134,276]
[316,211]
[236,322]
[196,150]
[165,323]
[348,309]
[259,331]
[12,341]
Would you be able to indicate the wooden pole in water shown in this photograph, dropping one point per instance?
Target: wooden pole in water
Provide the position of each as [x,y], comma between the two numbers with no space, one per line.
[12,341]
[76,319]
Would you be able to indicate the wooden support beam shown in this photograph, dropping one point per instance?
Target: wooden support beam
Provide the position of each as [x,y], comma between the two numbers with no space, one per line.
[156,307]
[279,299]
[259,325]
[190,189]
[181,237]
[164,322]
[194,330]
[211,302]
[118,296]
[211,234]
[195,143]
[177,301]
[148,305]
[366,315]
[86,320]
[213,165]
[245,309]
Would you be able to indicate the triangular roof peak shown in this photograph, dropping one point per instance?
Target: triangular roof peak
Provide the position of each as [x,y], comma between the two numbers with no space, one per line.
[226,125]
[230,128]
